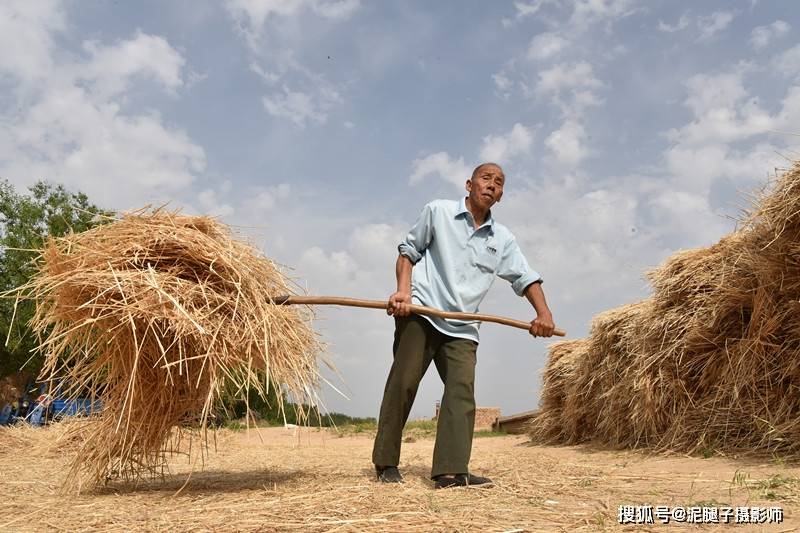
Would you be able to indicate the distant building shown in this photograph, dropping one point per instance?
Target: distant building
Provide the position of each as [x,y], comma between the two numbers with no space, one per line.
[485,417]
[515,424]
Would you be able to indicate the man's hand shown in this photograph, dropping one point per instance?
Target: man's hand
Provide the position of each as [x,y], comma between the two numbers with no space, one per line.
[398,304]
[543,326]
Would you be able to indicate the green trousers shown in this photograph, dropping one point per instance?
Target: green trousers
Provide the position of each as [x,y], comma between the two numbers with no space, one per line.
[416,344]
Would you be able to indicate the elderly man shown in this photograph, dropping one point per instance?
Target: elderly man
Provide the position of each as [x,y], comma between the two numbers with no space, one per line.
[448,261]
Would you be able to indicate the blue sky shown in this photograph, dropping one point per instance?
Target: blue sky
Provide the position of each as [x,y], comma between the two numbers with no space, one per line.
[627,130]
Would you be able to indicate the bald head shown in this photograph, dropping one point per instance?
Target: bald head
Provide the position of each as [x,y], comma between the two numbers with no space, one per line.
[483,166]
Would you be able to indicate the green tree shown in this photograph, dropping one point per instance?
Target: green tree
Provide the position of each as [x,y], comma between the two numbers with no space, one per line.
[25,223]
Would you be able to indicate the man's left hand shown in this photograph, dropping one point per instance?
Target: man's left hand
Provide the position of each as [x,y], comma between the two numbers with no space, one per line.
[543,326]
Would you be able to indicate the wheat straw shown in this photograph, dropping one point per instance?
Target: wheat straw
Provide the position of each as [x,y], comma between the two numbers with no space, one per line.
[159,315]
[711,361]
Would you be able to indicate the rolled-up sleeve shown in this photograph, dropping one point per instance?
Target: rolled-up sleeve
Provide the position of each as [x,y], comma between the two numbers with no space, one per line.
[514,268]
[419,237]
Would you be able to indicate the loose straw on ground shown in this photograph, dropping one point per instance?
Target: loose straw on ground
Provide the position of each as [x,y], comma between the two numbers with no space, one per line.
[710,362]
[159,315]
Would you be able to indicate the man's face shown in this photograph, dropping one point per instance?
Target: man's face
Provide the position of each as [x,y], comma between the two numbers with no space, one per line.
[486,187]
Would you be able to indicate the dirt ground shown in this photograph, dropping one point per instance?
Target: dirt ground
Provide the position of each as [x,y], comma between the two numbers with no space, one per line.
[276,479]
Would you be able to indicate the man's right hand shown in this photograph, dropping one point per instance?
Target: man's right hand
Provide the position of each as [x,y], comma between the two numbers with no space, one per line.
[398,304]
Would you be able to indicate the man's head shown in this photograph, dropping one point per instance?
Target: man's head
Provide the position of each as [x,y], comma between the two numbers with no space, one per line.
[485,187]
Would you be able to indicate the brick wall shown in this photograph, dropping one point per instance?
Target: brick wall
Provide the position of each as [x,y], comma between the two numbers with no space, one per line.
[485,417]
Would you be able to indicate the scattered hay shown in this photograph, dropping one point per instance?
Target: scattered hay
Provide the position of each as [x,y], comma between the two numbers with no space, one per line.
[159,315]
[12,437]
[710,361]
[54,440]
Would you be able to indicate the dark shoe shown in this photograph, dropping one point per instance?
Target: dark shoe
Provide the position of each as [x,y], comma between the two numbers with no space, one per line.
[446,481]
[388,474]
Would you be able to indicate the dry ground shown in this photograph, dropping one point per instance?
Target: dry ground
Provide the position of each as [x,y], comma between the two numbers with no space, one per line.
[315,480]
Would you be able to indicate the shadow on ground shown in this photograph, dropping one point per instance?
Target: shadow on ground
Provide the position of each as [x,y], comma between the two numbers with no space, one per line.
[207,481]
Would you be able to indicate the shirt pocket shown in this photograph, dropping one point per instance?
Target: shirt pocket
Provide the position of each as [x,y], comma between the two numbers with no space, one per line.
[486,260]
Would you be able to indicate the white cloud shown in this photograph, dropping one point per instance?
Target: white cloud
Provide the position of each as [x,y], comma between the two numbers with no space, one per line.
[212,205]
[502,82]
[68,127]
[305,96]
[714,23]
[546,45]
[708,25]
[266,75]
[297,106]
[789,115]
[707,91]
[694,168]
[258,11]
[501,148]
[251,16]
[586,12]
[496,148]
[585,98]
[561,36]
[525,9]
[722,111]
[118,160]
[442,165]
[265,198]
[329,272]
[563,77]
[682,24]
[26,37]
[567,144]
[374,246]
[761,36]
[590,261]
[111,68]
[570,86]
[725,124]
[340,9]
[360,264]
[788,62]
[688,214]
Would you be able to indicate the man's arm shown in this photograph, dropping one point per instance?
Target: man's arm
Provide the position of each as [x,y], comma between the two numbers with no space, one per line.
[411,250]
[398,302]
[525,281]
[543,325]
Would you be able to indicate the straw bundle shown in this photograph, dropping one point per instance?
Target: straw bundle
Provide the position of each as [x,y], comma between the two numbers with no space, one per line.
[159,314]
[711,361]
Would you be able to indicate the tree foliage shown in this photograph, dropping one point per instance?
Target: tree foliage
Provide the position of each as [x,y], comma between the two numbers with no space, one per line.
[26,220]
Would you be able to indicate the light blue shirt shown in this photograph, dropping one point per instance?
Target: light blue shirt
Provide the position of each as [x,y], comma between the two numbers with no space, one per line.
[455,264]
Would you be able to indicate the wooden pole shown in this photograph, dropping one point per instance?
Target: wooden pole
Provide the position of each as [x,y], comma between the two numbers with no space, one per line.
[418,309]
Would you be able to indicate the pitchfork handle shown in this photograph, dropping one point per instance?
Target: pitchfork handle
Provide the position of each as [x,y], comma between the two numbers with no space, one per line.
[418,309]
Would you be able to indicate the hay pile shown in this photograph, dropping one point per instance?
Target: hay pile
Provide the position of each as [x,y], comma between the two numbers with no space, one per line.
[159,314]
[711,361]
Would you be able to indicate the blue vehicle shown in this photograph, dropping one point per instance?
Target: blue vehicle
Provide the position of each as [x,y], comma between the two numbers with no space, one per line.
[60,408]
[5,415]
[20,408]
[45,407]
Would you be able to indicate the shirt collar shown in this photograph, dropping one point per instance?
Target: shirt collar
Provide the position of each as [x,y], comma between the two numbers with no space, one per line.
[462,210]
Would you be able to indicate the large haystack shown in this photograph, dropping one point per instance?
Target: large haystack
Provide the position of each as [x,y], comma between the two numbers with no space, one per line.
[160,314]
[711,361]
